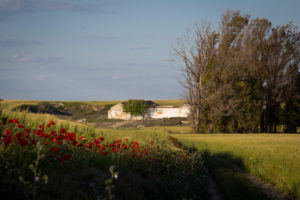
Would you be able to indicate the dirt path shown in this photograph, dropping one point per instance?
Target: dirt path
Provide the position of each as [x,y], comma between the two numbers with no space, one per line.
[213,190]
[271,191]
[119,124]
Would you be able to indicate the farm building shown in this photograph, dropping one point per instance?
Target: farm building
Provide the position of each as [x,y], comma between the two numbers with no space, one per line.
[153,112]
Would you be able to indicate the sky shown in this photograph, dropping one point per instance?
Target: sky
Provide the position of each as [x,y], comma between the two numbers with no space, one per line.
[107,49]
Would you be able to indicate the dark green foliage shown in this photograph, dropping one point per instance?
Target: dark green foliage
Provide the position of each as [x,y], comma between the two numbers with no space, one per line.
[250,83]
[43,107]
[135,107]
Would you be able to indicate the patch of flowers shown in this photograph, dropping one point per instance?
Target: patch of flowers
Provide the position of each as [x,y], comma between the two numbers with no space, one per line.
[60,142]
[43,163]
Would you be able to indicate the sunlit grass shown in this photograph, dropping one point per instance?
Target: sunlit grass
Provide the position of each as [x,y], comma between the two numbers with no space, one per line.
[273,157]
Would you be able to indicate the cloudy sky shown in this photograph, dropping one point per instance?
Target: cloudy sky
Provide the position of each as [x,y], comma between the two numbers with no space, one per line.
[106,49]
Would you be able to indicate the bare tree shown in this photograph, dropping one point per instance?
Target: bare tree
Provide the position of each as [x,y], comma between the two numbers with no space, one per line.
[196,50]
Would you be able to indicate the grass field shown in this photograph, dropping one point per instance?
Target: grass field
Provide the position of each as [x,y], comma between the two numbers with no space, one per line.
[273,157]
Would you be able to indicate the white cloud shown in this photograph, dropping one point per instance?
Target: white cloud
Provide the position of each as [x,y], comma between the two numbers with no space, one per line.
[115,77]
[14,43]
[41,77]
[141,47]
[33,60]
[12,7]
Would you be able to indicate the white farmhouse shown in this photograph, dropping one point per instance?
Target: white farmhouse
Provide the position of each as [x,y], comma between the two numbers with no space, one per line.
[153,112]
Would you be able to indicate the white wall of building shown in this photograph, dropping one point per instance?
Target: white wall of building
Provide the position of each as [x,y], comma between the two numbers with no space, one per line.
[116,112]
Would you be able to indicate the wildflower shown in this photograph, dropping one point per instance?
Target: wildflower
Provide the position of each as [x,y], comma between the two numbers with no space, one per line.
[8,140]
[20,126]
[63,130]
[151,143]
[7,132]
[10,121]
[54,149]
[22,142]
[16,121]
[36,179]
[116,175]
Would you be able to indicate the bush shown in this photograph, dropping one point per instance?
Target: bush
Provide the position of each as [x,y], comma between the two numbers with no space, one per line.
[135,107]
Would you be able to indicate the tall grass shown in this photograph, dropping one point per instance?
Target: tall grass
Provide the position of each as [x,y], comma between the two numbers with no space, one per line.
[168,174]
[273,157]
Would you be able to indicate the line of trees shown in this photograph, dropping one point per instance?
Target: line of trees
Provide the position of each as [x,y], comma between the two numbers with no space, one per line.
[243,77]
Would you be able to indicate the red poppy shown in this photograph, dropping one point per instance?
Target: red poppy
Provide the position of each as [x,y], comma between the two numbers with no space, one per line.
[7,132]
[33,142]
[16,121]
[41,127]
[63,130]
[151,143]
[10,121]
[20,126]
[100,139]
[22,142]
[51,122]
[54,149]
[8,140]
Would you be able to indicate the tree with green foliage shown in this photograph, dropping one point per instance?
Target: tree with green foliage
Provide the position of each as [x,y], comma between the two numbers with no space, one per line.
[135,107]
[242,77]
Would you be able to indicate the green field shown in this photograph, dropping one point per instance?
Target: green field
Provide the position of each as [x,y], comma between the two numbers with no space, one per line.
[273,157]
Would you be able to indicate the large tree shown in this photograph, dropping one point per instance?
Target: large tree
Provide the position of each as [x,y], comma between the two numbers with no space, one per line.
[243,77]
[197,52]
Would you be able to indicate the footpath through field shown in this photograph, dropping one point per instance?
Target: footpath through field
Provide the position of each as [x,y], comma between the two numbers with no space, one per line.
[223,169]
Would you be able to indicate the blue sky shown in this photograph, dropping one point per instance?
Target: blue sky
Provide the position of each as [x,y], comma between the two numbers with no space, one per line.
[107,49]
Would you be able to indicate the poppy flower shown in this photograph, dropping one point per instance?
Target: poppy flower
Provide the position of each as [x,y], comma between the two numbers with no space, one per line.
[151,143]
[20,126]
[7,132]
[8,140]
[41,127]
[16,121]
[54,149]
[10,121]
[22,142]
[63,130]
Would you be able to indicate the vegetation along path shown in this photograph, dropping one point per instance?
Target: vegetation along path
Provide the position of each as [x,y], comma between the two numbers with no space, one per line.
[250,166]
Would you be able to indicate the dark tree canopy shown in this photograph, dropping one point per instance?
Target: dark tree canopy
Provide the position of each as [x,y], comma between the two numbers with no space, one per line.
[243,77]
